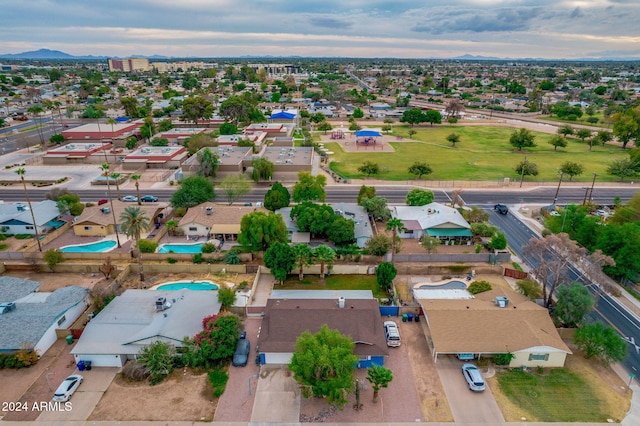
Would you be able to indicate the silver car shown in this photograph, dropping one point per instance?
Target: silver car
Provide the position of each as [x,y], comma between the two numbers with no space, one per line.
[67,388]
[473,377]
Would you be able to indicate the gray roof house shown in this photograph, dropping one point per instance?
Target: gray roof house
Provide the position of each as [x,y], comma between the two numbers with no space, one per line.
[15,218]
[37,315]
[362,228]
[434,219]
[133,320]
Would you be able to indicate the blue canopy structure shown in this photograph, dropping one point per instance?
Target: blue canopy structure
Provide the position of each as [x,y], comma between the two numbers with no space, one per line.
[282,115]
[122,119]
[368,133]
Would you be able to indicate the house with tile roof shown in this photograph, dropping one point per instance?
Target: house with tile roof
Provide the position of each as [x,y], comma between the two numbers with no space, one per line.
[134,319]
[211,220]
[493,322]
[37,314]
[434,220]
[97,221]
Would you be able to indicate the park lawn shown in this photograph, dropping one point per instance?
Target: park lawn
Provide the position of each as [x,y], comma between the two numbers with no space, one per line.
[602,122]
[557,395]
[332,282]
[483,153]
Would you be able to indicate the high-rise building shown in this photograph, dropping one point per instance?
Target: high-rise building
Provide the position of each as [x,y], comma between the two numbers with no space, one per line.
[128,64]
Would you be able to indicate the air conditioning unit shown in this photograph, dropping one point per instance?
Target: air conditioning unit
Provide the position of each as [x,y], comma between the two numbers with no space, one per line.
[162,304]
[209,211]
[105,210]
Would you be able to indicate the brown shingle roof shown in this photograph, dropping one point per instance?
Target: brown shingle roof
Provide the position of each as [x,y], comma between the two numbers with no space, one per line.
[480,326]
[95,215]
[286,319]
[222,215]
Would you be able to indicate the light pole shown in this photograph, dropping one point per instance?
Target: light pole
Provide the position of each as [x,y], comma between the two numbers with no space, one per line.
[555,198]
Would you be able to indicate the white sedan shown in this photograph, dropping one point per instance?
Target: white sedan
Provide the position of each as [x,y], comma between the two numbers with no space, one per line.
[67,388]
[130,198]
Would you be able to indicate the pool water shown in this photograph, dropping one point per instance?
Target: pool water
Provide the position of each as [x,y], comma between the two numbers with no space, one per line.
[180,248]
[189,285]
[97,247]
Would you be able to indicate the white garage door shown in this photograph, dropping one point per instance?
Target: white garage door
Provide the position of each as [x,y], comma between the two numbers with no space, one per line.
[102,360]
[277,358]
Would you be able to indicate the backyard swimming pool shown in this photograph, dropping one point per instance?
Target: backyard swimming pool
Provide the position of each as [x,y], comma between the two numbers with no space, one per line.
[180,248]
[189,285]
[97,247]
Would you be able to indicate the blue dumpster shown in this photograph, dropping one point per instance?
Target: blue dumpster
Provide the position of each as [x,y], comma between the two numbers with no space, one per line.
[81,365]
[410,317]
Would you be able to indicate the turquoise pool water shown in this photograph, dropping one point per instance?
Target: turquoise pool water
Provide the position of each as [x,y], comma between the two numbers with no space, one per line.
[189,285]
[97,247]
[180,248]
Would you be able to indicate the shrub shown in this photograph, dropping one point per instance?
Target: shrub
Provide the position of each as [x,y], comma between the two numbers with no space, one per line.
[479,287]
[3,237]
[27,357]
[218,380]
[23,236]
[209,248]
[147,246]
[503,359]
[243,285]
[457,269]
[2,358]
[197,258]
[231,258]
[172,260]
[134,371]
[10,361]
[179,211]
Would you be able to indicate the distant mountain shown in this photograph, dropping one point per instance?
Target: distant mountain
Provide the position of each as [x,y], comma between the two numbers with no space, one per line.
[46,54]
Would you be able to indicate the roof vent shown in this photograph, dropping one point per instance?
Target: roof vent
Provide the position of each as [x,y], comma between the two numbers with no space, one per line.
[162,304]
[209,211]
[341,302]
[502,301]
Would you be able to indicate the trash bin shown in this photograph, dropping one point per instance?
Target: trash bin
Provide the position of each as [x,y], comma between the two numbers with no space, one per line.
[69,339]
[404,317]
[243,335]
[417,317]
[410,318]
[87,365]
[80,365]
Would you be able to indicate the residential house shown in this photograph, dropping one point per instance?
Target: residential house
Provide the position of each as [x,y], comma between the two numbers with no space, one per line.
[140,317]
[97,221]
[434,220]
[37,315]
[209,220]
[16,218]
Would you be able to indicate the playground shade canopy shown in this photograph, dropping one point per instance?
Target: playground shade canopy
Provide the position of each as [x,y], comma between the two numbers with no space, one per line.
[368,133]
[282,115]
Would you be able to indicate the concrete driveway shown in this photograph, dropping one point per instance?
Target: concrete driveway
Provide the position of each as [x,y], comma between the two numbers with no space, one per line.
[277,397]
[466,406]
[84,400]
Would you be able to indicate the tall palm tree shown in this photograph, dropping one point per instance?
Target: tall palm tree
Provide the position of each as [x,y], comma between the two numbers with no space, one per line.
[394,225]
[36,111]
[303,256]
[105,172]
[134,223]
[116,177]
[136,179]
[20,172]
[324,255]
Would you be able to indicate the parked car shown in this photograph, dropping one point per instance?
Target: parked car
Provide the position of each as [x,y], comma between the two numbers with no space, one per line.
[241,355]
[501,208]
[473,377]
[149,198]
[130,198]
[102,201]
[67,388]
[391,334]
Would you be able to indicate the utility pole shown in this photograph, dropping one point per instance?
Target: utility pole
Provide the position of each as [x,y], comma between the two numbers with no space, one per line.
[524,164]
[555,199]
[595,175]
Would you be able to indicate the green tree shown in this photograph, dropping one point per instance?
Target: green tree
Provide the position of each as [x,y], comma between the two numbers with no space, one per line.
[420,168]
[279,258]
[623,168]
[325,126]
[259,230]
[583,135]
[226,297]
[237,109]
[419,197]
[157,357]
[566,130]
[130,105]
[626,126]
[603,137]
[36,111]
[413,117]
[366,192]
[324,255]
[53,257]
[303,257]
[529,288]
[369,168]
[196,142]
[432,116]
[195,108]
[358,113]
[498,242]
[558,141]
[526,168]
[522,138]
[378,245]
[600,342]
[454,138]
[309,188]
[228,129]
[475,214]
[208,162]
[385,274]
[430,243]
[193,190]
[215,343]
[262,169]
[341,230]
[131,143]
[55,139]
[276,197]
[572,169]
[157,141]
[148,129]
[480,286]
[171,225]
[165,125]
[379,377]
[394,225]
[323,364]
[377,208]
[134,223]
[573,303]
[234,187]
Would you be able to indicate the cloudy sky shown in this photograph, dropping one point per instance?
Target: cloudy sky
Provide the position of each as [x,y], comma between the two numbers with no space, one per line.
[349,28]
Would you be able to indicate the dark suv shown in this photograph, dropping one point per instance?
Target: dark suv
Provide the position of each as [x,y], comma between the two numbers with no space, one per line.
[501,208]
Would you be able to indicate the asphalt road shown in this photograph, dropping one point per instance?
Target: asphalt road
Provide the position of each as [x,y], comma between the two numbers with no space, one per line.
[606,309]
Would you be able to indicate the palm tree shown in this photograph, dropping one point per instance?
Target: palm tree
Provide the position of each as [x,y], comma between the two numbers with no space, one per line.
[394,225]
[20,172]
[36,111]
[324,254]
[136,178]
[105,172]
[171,225]
[116,177]
[134,223]
[303,256]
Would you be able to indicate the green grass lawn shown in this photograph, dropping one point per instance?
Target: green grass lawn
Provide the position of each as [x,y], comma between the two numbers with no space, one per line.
[582,120]
[483,153]
[555,396]
[333,282]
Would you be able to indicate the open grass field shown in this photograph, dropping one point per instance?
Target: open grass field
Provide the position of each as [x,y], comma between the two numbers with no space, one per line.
[333,282]
[483,153]
[602,122]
